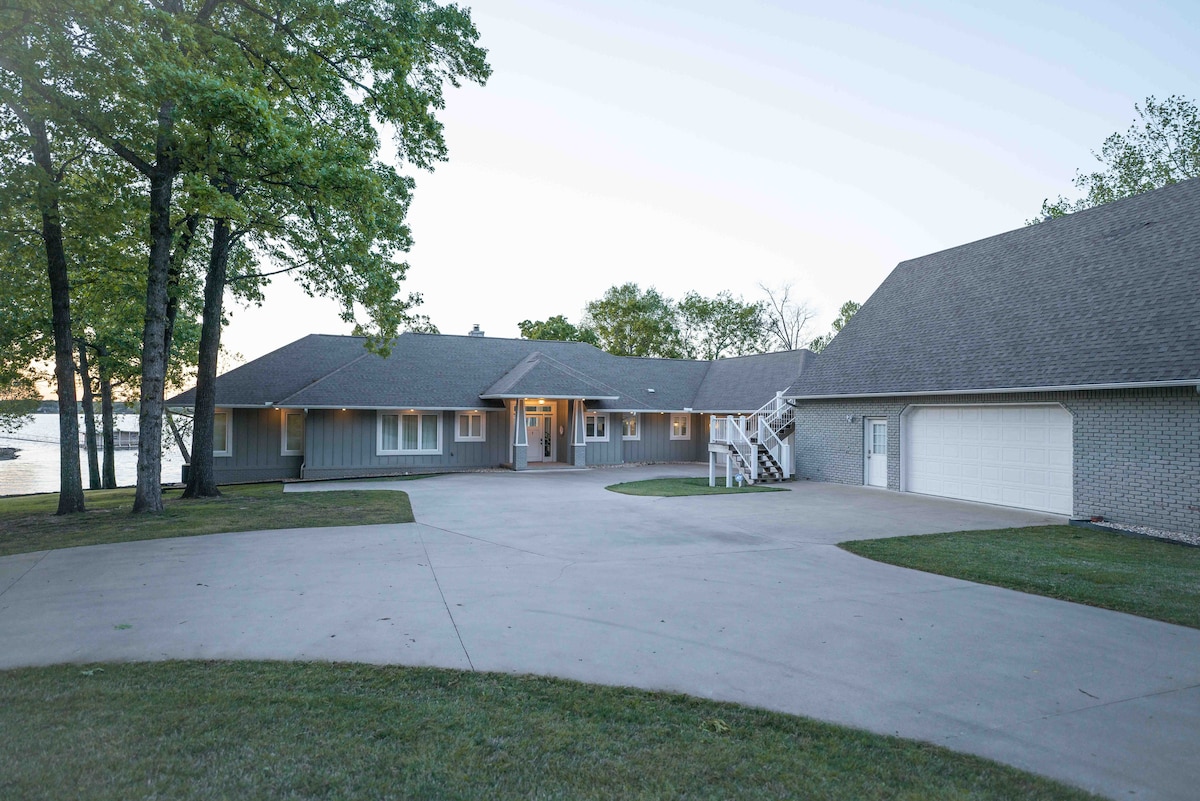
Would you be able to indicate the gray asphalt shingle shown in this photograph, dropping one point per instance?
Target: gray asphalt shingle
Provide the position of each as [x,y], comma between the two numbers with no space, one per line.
[1105,296]
[453,372]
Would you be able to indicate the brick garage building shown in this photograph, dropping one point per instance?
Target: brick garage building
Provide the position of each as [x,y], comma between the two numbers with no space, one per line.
[1056,367]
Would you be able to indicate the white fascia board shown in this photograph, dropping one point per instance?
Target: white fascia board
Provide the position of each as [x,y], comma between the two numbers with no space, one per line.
[649,411]
[1005,390]
[552,397]
[480,408]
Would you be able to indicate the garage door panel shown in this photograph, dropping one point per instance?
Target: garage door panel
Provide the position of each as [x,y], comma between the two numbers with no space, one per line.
[1016,455]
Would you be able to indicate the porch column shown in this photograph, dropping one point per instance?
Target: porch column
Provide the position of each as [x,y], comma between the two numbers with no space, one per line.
[578,443]
[520,437]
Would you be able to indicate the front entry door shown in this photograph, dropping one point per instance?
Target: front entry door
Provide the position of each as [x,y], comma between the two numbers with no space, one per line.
[539,426]
[876,453]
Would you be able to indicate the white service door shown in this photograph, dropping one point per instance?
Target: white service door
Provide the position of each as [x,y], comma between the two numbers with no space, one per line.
[876,453]
[1011,455]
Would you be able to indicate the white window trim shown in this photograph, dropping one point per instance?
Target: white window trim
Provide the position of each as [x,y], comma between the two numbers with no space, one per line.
[637,427]
[596,415]
[283,448]
[482,427]
[687,418]
[399,415]
[228,451]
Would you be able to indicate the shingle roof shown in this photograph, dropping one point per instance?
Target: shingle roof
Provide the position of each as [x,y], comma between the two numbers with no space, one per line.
[461,372]
[282,372]
[1104,296]
[748,382]
[538,375]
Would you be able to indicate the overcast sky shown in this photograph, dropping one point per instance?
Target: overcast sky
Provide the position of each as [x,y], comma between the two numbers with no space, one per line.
[707,146]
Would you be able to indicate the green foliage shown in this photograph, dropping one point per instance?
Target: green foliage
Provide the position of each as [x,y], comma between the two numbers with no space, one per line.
[557,328]
[844,314]
[1162,149]
[18,399]
[630,322]
[712,328]
[263,116]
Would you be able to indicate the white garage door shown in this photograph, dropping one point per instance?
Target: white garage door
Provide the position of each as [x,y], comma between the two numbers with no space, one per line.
[1012,455]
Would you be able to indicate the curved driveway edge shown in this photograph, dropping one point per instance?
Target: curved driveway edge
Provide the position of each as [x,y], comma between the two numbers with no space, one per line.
[743,599]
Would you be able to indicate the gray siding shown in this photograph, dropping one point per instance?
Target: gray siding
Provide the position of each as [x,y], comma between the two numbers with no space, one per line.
[256,444]
[599,453]
[343,443]
[656,445]
[1136,459]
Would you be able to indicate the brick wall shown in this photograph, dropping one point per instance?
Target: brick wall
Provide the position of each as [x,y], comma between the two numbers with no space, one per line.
[1137,452]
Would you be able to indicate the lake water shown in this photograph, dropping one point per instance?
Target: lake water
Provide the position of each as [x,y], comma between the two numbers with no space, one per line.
[36,467]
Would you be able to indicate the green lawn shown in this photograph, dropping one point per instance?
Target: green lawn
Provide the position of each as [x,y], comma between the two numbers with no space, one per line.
[675,487]
[1159,580]
[196,730]
[28,522]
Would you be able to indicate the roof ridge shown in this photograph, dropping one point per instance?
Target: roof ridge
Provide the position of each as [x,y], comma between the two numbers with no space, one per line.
[330,374]
[590,379]
[1109,208]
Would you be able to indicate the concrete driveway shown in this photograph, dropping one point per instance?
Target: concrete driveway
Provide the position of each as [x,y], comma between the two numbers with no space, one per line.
[736,598]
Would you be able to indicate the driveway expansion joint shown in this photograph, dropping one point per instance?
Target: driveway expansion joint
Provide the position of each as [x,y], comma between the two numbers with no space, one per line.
[445,603]
[17,580]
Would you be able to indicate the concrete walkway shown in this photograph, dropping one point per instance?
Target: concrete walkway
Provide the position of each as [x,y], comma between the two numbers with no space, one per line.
[736,598]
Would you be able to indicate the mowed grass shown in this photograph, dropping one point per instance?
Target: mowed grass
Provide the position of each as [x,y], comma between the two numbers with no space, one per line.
[196,730]
[676,487]
[1159,580]
[28,522]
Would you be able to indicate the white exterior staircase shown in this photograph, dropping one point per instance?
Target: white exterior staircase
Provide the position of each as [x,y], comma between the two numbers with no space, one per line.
[757,447]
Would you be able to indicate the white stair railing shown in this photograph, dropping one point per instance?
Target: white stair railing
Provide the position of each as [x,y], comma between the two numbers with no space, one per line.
[739,440]
[744,433]
[773,417]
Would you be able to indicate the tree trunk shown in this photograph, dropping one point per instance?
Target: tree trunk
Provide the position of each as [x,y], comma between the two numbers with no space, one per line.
[89,418]
[148,495]
[183,451]
[108,478]
[201,481]
[186,237]
[70,491]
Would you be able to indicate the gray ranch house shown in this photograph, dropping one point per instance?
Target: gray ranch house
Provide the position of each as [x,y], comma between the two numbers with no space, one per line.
[1056,368]
[1053,368]
[325,407]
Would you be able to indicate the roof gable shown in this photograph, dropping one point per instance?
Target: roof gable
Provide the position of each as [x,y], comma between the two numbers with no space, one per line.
[539,376]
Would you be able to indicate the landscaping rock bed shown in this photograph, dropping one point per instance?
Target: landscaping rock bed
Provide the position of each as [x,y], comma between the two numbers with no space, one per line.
[1141,531]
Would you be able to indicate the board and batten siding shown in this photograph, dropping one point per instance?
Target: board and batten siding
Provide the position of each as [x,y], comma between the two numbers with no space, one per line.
[344,443]
[655,443]
[257,441]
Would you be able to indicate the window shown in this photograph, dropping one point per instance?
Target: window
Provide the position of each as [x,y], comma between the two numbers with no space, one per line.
[409,433]
[469,427]
[222,433]
[292,434]
[629,427]
[595,427]
[679,427]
